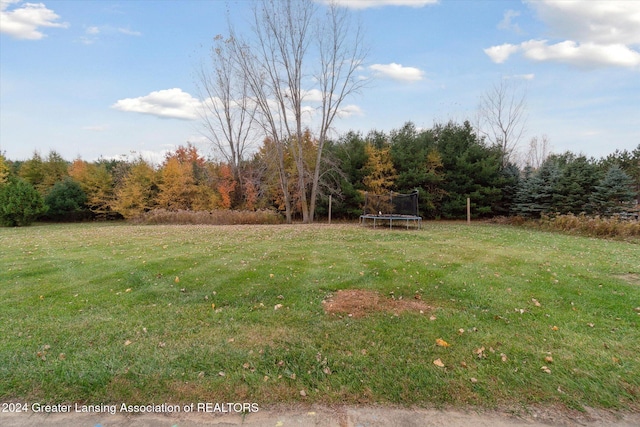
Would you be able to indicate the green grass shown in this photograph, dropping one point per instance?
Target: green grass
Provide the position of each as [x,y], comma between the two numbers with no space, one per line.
[93,313]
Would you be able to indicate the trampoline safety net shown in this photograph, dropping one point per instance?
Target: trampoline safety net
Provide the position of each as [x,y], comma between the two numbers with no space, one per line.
[391,204]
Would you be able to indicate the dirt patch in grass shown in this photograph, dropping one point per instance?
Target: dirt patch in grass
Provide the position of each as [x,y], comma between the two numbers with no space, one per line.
[359,303]
[632,278]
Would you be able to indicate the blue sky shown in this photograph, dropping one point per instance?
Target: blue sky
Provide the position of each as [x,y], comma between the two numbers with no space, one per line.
[108,78]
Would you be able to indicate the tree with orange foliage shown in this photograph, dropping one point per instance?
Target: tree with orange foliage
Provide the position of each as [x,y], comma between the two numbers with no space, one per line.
[226,185]
[184,182]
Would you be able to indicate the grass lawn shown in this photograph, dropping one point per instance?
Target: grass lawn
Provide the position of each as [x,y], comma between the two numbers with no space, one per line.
[115,313]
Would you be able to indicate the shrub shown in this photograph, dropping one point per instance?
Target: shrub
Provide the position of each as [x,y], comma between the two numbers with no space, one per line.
[595,226]
[66,201]
[215,217]
[20,203]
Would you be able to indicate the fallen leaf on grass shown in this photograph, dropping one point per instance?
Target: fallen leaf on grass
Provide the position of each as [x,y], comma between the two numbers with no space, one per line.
[438,363]
[503,357]
[548,359]
[536,303]
[432,318]
[442,343]
[546,369]
[277,306]
[554,328]
[127,342]
[460,331]
[303,393]
[473,380]
[221,373]
[177,279]
[480,353]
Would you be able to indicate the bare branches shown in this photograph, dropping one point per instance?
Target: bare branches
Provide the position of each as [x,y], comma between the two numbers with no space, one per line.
[291,52]
[538,151]
[227,113]
[502,116]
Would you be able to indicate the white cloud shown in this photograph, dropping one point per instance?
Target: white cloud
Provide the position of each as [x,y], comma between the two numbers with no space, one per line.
[570,52]
[530,76]
[129,32]
[589,34]
[499,54]
[364,4]
[25,21]
[91,33]
[507,24]
[585,54]
[168,103]
[95,128]
[350,110]
[602,22]
[313,95]
[397,72]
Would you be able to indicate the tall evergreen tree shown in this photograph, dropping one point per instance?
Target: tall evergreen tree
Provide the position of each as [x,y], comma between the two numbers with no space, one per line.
[614,193]
[471,170]
[20,203]
[577,180]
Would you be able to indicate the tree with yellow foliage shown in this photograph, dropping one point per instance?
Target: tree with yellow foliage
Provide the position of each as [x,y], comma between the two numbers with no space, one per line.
[4,170]
[96,181]
[138,190]
[382,173]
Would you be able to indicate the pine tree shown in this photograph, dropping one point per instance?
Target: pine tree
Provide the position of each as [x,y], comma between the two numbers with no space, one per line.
[20,203]
[66,201]
[614,193]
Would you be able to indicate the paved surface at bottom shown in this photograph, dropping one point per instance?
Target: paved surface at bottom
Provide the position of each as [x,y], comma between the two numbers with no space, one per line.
[330,417]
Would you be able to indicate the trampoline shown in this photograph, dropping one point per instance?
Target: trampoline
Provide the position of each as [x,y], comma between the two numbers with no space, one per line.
[391,207]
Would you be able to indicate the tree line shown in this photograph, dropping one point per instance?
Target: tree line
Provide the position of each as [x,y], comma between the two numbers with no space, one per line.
[446,164]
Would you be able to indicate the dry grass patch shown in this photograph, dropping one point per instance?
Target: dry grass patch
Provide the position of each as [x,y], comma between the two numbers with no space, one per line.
[359,303]
[632,278]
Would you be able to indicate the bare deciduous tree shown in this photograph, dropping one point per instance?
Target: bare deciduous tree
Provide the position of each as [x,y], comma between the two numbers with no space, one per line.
[539,150]
[502,116]
[292,51]
[227,114]
[341,49]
